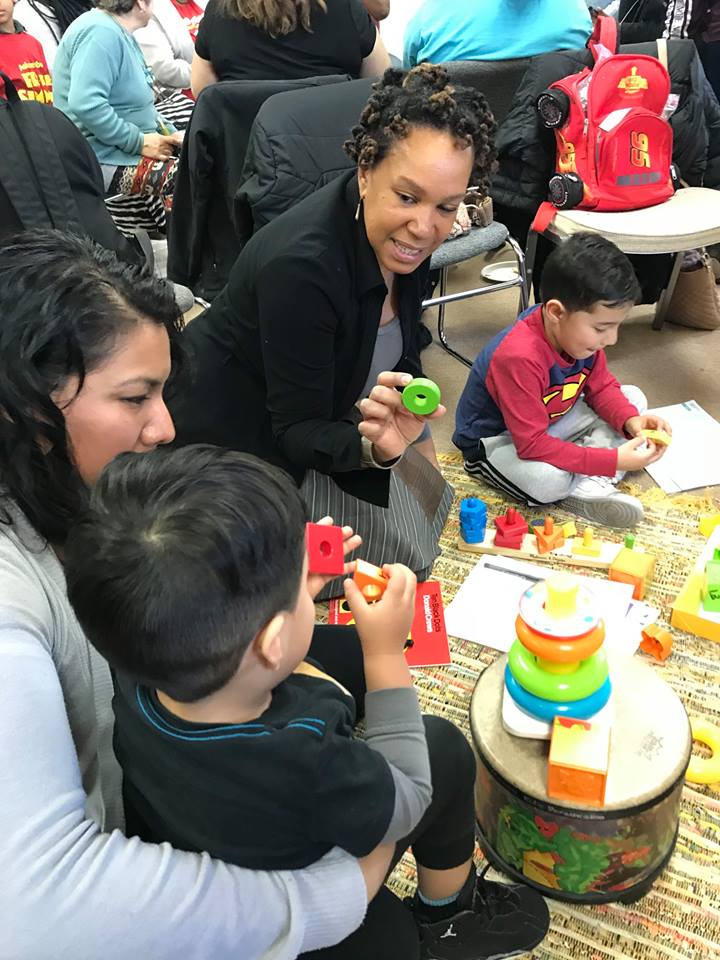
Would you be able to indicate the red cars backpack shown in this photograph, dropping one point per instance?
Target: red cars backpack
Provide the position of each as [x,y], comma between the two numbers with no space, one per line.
[614,146]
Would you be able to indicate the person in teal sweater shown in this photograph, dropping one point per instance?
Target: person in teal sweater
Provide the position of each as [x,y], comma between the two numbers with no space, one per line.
[494,29]
[104,86]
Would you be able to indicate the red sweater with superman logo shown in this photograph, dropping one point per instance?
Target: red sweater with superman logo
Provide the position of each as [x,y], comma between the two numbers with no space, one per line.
[521,384]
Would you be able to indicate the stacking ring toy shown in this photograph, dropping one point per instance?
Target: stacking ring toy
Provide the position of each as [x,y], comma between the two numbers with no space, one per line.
[548,709]
[560,651]
[582,621]
[701,769]
[589,676]
[421,396]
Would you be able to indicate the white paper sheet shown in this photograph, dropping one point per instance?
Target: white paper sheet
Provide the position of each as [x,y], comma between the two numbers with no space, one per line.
[693,458]
[486,605]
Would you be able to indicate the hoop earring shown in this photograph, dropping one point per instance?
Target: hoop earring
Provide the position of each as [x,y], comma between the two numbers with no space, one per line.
[357,209]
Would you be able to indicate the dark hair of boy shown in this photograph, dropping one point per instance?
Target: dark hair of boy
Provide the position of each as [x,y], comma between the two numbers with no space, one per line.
[586,269]
[181,559]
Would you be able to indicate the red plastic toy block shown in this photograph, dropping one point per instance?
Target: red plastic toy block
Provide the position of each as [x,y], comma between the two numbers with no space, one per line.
[325,549]
[510,530]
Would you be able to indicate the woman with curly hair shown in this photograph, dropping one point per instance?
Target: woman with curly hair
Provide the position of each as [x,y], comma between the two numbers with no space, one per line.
[298,361]
[286,40]
[299,358]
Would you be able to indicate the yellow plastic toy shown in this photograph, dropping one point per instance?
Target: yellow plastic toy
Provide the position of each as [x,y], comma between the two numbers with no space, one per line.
[632,566]
[657,436]
[587,545]
[708,522]
[705,769]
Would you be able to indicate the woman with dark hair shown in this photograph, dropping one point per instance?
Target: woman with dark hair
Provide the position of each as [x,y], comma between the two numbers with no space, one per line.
[88,346]
[299,357]
[47,20]
[103,84]
[286,40]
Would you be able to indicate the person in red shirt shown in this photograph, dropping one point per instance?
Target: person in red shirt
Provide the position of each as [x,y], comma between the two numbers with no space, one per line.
[22,58]
[541,416]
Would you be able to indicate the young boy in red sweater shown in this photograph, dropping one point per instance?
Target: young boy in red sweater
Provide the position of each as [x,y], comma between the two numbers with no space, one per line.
[22,58]
[541,416]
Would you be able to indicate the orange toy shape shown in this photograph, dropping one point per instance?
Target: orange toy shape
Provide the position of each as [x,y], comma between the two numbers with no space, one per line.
[657,642]
[567,650]
[548,536]
[578,761]
[370,579]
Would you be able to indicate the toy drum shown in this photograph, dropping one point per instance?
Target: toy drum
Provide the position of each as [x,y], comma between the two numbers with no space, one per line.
[571,852]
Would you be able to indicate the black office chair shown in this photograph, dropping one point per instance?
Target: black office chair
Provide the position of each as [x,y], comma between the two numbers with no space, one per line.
[497,79]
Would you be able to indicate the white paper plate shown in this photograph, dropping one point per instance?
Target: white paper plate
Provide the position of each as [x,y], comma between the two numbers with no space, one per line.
[501,272]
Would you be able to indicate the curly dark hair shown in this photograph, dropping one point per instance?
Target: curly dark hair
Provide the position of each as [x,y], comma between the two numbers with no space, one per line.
[424,97]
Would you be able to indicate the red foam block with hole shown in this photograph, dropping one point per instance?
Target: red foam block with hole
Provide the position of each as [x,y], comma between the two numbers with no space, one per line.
[325,549]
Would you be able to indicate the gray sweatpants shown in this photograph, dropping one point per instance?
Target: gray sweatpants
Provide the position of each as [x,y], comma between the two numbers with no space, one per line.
[538,482]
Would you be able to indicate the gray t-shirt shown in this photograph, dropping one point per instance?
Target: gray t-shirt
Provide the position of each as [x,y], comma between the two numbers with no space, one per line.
[387,352]
[74,892]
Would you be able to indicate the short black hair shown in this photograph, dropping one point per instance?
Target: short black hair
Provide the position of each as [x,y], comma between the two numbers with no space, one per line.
[181,558]
[64,304]
[424,97]
[586,269]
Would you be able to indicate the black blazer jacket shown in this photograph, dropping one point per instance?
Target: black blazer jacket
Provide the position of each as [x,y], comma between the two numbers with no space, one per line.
[282,354]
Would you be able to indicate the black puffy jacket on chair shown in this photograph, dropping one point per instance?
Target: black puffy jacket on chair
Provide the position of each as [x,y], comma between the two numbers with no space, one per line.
[205,236]
[296,147]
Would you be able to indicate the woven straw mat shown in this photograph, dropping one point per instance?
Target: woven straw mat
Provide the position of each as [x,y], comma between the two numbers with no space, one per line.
[680,917]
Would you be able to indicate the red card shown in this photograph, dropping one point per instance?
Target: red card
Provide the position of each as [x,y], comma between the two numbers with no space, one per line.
[430,646]
[325,549]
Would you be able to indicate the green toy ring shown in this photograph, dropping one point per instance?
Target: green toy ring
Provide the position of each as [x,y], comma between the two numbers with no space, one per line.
[589,676]
[421,397]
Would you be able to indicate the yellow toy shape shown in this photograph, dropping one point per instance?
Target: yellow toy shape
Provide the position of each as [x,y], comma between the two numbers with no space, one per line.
[702,770]
[660,437]
[588,546]
[561,599]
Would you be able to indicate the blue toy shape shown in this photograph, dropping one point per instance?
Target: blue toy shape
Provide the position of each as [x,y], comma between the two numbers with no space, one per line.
[473,519]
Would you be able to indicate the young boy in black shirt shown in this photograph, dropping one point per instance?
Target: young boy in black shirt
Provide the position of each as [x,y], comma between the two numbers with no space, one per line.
[189,574]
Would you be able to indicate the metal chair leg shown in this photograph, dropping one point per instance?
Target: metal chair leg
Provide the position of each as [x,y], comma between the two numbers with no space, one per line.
[663,304]
[441,310]
[441,324]
[530,254]
[522,271]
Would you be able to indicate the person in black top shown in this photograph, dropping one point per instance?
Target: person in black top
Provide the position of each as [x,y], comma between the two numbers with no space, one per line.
[641,20]
[285,40]
[189,574]
[299,357]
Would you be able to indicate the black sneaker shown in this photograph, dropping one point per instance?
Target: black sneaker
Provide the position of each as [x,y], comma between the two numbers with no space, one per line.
[501,920]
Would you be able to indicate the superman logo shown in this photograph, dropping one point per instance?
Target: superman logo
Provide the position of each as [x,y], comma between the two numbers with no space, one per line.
[561,397]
